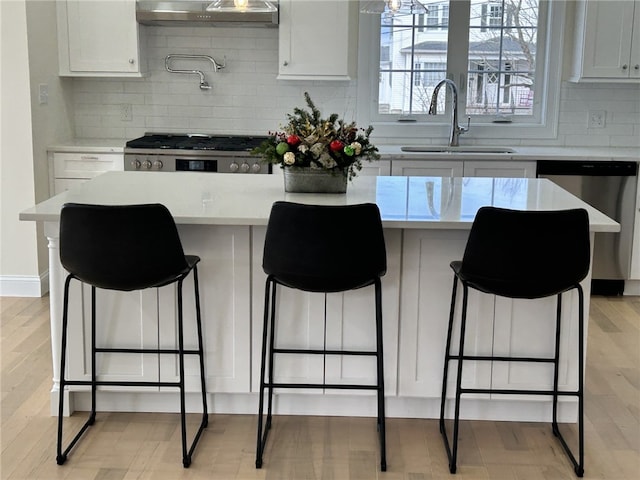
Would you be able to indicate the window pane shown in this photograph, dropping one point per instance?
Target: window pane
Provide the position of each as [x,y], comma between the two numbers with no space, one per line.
[413,59]
[502,57]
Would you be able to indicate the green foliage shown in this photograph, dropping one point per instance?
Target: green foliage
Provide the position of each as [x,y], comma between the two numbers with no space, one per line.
[330,144]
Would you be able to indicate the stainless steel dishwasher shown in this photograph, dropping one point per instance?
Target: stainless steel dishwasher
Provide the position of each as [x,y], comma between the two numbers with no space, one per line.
[608,186]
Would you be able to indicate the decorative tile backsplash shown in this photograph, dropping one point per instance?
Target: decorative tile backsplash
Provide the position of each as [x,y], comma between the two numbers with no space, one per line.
[246,97]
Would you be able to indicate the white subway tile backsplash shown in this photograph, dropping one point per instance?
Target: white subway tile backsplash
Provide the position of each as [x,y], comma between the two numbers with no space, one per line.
[247,98]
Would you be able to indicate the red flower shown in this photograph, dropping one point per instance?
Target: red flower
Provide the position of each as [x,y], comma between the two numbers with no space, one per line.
[293,140]
[336,146]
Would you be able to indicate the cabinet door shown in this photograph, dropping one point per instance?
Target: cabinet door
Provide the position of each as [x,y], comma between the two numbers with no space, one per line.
[63,184]
[374,169]
[503,169]
[425,312]
[317,39]
[351,325]
[604,40]
[427,168]
[123,319]
[300,320]
[224,279]
[527,328]
[98,38]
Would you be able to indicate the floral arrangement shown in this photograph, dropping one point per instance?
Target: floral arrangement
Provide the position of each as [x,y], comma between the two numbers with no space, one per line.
[308,140]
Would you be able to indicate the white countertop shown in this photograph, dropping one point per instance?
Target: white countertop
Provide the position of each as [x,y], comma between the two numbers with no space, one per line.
[404,202]
[94,145]
[519,153]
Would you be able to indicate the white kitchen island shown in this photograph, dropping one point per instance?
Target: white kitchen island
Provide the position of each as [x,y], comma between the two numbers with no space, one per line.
[222,218]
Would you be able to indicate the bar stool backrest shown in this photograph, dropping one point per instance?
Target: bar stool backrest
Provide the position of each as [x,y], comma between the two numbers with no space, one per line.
[526,254]
[121,247]
[324,248]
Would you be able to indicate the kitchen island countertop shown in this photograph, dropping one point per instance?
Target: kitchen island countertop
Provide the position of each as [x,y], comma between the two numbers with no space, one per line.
[404,202]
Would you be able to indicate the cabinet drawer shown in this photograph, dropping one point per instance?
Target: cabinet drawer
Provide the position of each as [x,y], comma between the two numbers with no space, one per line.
[85,165]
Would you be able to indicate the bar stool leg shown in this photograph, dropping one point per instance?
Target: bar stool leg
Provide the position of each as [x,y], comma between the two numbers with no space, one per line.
[556,367]
[61,456]
[456,417]
[447,353]
[380,364]
[269,310]
[186,460]
[205,412]
[94,367]
[445,376]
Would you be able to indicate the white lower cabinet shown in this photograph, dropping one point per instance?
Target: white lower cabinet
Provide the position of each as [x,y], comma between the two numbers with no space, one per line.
[464,168]
[350,324]
[426,296]
[123,319]
[147,319]
[495,325]
[70,169]
[502,169]
[224,274]
[427,168]
[527,328]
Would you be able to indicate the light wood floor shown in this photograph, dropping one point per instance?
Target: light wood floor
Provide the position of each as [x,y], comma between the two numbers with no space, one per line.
[146,446]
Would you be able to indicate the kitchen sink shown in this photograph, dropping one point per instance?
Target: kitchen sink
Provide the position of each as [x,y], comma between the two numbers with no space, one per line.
[464,149]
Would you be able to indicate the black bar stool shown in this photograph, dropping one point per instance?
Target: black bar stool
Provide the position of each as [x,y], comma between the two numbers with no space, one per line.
[127,247]
[518,254]
[321,249]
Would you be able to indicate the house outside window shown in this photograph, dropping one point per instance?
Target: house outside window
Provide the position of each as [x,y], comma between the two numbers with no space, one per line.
[501,51]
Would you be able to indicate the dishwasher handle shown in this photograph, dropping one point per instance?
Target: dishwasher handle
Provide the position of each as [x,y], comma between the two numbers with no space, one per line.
[594,168]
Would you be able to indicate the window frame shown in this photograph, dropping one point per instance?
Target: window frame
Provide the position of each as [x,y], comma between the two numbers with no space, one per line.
[395,128]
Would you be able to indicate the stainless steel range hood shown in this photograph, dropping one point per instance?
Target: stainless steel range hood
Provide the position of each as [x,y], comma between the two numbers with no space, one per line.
[258,13]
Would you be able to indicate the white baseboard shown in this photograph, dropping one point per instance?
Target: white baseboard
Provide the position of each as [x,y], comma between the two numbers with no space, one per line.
[522,409]
[24,285]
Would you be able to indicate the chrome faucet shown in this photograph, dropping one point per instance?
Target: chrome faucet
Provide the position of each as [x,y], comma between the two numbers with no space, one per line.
[456,130]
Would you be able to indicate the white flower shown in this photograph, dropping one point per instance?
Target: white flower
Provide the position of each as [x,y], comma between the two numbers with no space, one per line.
[289,158]
[303,149]
[326,161]
[357,147]
[317,149]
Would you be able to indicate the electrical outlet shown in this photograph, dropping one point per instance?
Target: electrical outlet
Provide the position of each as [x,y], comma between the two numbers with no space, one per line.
[43,94]
[597,118]
[126,114]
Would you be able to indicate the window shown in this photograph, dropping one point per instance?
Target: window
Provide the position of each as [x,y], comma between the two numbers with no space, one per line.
[497,63]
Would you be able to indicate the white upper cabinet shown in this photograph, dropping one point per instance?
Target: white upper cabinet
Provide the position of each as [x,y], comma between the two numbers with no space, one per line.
[607,41]
[99,38]
[318,40]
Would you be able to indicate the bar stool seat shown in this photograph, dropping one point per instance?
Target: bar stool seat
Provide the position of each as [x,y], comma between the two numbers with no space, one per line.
[322,249]
[521,255]
[126,248]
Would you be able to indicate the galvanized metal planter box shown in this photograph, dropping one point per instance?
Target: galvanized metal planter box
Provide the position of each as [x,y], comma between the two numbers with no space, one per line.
[311,180]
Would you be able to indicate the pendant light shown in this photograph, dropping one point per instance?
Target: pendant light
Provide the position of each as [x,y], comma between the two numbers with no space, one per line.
[393,7]
[254,6]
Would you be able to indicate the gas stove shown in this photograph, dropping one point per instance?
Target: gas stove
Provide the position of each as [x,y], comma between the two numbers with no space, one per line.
[167,152]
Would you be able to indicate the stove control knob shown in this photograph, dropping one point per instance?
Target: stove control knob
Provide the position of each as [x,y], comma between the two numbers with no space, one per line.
[135,164]
[255,168]
[244,168]
[147,164]
[233,167]
[158,165]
